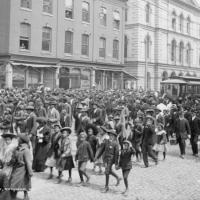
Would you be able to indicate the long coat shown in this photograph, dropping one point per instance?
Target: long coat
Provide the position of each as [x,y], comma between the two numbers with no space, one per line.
[195,126]
[182,128]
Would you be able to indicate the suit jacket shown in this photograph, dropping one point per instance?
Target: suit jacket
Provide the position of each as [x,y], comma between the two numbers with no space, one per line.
[195,126]
[182,128]
[31,125]
[149,135]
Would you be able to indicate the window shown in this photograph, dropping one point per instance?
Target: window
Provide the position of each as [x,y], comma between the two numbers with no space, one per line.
[69,4]
[46,38]
[85,12]
[116,20]
[26,4]
[188,25]
[125,46]
[116,49]
[68,42]
[102,48]
[174,21]
[148,46]
[173,51]
[48,6]
[188,54]
[181,22]
[147,10]
[25,35]
[103,16]
[85,45]
[181,48]
[126,15]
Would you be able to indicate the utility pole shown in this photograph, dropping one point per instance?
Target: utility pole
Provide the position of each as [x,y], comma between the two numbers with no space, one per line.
[146,65]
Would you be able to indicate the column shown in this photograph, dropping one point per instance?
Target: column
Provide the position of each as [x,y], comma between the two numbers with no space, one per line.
[112,80]
[93,74]
[103,80]
[56,82]
[9,76]
[122,80]
[42,76]
[26,77]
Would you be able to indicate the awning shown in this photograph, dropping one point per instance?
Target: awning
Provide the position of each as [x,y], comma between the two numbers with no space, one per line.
[32,65]
[128,75]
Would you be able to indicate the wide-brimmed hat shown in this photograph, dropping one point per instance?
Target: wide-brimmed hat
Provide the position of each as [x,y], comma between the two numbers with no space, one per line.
[150,117]
[112,132]
[127,142]
[57,125]
[24,138]
[53,103]
[29,107]
[84,110]
[10,135]
[116,117]
[66,129]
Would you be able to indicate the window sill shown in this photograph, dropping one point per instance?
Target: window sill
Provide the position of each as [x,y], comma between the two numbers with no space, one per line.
[25,9]
[85,23]
[69,19]
[47,14]
[68,55]
[85,57]
[46,52]
[25,50]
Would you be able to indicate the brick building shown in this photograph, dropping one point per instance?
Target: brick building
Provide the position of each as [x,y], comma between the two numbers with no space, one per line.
[62,43]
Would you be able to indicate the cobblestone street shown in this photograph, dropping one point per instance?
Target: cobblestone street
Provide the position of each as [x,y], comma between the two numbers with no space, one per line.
[173,178]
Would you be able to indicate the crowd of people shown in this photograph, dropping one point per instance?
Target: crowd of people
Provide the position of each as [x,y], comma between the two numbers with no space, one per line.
[111,127]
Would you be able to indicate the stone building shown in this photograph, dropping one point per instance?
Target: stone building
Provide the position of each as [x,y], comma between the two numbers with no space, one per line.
[62,43]
[162,40]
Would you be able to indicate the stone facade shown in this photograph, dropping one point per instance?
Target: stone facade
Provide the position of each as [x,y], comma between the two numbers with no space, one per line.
[163,40]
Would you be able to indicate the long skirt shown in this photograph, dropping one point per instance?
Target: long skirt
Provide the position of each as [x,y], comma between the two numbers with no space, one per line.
[20,181]
[51,161]
[65,163]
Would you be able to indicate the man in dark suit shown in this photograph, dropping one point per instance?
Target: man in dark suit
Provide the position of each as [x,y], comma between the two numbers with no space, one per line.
[182,130]
[148,141]
[195,131]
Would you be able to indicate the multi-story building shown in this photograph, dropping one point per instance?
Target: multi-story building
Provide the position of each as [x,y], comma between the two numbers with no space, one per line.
[62,43]
[162,40]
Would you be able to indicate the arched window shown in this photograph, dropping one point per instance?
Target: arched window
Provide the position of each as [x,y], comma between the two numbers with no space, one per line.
[181,19]
[173,74]
[148,12]
[174,21]
[188,54]
[181,48]
[164,76]
[148,46]
[188,25]
[173,51]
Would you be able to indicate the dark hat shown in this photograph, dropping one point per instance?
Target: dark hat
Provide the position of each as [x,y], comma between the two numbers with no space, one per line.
[66,129]
[84,110]
[56,125]
[150,117]
[53,103]
[10,135]
[112,132]
[29,108]
[24,138]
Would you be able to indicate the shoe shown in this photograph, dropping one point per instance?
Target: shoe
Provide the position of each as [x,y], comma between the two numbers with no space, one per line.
[59,181]
[105,190]
[88,179]
[125,192]
[50,176]
[118,181]
[146,166]
[156,162]
[69,180]
[182,156]
[26,197]
[80,184]
[196,155]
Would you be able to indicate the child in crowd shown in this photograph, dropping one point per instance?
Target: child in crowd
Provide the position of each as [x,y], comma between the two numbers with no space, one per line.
[125,162]
[83,155]
[160,145]
[65,161]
